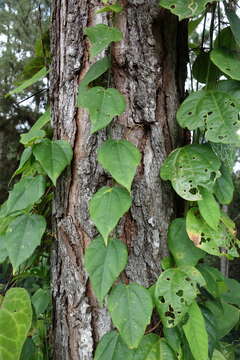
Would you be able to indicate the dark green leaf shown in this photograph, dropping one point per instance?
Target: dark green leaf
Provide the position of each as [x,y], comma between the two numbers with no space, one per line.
[224,187]
[104,264]
[3,250]
[120,158]
[41,300]
[232,295]
[215,283]
[95,71]
[204,70]
[209,209]
[107,206]
[152,347]
[131,308]
[227,61]
[111,347]
[211,330]
[193,24]
[173,338]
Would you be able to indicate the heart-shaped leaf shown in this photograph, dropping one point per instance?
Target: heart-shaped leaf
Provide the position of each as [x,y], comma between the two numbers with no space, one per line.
[190,167]
[175,291]
[120,158]
[23,236]
[196,334]
[227,61]
[209,240]
[103,105]
[101,36]
[15,323]
[107,206]
[209,209]
[112,347]
[25,193]
[185,9]
[181,247]
[104,264]
[53,156]
[95,71]
[131,308]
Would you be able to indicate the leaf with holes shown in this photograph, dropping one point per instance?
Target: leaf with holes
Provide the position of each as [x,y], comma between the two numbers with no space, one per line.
[190,167]
[54,156]
[25,193]
[131,308]
[217,111]
[209,240]
[107,206]
[175,291]
[185,9]
[120,158]
[227,61]
[209,209]
[15,323]
[181,247]
[196,334]
[23,236]
[152,347]
[103,105]
[112,347]
[224,187]
[101,36]
[104,264]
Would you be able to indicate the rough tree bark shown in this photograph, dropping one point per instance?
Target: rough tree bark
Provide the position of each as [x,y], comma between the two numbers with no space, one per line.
[149,69]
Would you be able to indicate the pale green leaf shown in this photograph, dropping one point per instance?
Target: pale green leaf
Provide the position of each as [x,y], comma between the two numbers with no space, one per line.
[196,334]
[40,300]
[23,236]
[29,82]
[180,246]
[104,264]
[25,193]
[3,250]
[190,167]
[209,209]
[42,121]
[209,240]
[53,156]
[116,8]
[103,105]
[185,9]
[101,36]
[152,347]
[175,291]
[227,61]
[217,355]
[224,187]
[106,208]
[226,153]
[95,71]
[112,347]
[35,133]
[25,157]
[188,112]
[120,158]
[131,308]
[15,323]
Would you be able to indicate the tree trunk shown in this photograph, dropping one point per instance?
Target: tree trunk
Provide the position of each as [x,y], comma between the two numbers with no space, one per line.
[149,69]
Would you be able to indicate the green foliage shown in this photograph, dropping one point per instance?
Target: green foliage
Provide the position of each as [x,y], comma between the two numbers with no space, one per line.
[154,348]
[112,347]
[209,209]
[185,9]
[15,322]
[131,308]
[223,187]
[40,301]
[116,8]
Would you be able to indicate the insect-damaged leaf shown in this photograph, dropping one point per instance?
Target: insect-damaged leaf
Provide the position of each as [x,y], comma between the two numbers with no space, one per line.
[209,240]
[103,105]
[175,291]
[190,167]
[131,308]
[101,36]
[152,347]
[104,264]
[120,158]
[209,209]
[107,206]
[196,334]
[112,347]
[216,111]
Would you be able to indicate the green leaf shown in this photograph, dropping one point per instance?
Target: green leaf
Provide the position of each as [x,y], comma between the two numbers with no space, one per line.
[152,347]
[15,323]
[226,317]
[120,158]
[173,338]
[175,290]
[40,300]
[232,295]
[37,77]
[95,71]
[101,36]
[196,334]
[35,132]
[215,283]
[131,308]
[111,347]
[234,21]
[209,240]
[227,61]
[23,236]
[103,105]
[29,350]
[116,8]
[209,209]
[211,330]
[3,250]
[224,187]
[226,153]
[104,264]
[107,206]
[185,9]
[190,167]
[25,193]
[181,247]
[53,156]
[217,355]
[204,70]
[193,24]
[215,110]
[26,155]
